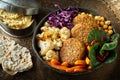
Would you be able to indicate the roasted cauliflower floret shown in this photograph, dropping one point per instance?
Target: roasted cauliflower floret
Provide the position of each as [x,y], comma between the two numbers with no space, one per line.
[49,32]
[55,32]
[45,46]
[51,54]
[64,33]
[44,28]
[57,44]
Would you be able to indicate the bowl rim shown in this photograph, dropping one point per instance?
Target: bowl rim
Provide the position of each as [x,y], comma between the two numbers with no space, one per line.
[40,24]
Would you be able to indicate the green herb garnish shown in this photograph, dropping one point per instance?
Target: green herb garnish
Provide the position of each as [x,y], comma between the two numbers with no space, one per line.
[106,43]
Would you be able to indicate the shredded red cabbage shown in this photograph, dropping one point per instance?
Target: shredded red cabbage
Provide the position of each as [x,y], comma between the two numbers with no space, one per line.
[63,17]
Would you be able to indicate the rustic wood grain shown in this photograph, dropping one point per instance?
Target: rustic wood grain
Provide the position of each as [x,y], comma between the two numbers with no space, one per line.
[40,72]
[114,5]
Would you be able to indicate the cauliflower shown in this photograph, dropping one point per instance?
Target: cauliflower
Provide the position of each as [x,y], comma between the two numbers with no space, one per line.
[64,33]
[49,32]
[55,32]
[57,44]
[45,46]
[51,54]
[44,28]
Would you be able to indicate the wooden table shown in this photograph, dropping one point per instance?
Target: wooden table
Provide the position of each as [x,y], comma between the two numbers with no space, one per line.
[106,72]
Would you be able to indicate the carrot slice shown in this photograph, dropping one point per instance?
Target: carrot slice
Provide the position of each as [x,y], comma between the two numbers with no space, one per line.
[80,65]
[80,62]
[69,69]
[75,69]
[56,64]
[54,61]
[64,64]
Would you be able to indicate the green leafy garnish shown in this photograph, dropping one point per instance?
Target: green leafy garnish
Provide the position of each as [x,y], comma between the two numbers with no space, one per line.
[108,46]
[93,35]
[92,55]
[97,35]
[105,43]
[115,36]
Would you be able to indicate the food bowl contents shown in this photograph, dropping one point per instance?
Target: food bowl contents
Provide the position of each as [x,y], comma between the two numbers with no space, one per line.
[14,58]
[87,42]
[15,20]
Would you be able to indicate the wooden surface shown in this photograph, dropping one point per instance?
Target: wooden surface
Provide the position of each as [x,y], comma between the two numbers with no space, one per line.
[114,5]
[39,72]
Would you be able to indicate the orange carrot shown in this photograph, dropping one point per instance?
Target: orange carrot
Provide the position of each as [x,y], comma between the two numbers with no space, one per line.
[69,70]
[80,65]
[56,64]
[59,67]
[54,61]
[75,69]
[64,64]
[80,62]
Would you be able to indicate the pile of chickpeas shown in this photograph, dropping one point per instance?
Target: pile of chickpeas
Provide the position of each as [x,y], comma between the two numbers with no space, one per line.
[104,24]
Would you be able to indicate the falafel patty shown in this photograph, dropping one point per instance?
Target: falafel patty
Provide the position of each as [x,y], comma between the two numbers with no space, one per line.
[83,24]
[72,50]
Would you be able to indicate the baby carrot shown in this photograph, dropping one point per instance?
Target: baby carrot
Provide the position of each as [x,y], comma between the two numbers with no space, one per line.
[64,64]
[80,62]
[69,70]
[72,68]
[59,67]
[54,61]
[75,69]
[56,64]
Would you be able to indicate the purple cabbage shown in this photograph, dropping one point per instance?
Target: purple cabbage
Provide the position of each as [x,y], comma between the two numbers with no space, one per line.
[63,17]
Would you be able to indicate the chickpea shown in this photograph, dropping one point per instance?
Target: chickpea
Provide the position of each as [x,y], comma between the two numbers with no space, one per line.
[107,22]
[106,30]
[102,19]
[110,27]
[90,15]
[110,32]
[101,23]
[97,17]
[105,26]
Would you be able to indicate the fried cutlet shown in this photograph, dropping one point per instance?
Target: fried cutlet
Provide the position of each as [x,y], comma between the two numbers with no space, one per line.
[72,50]
[83,24]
